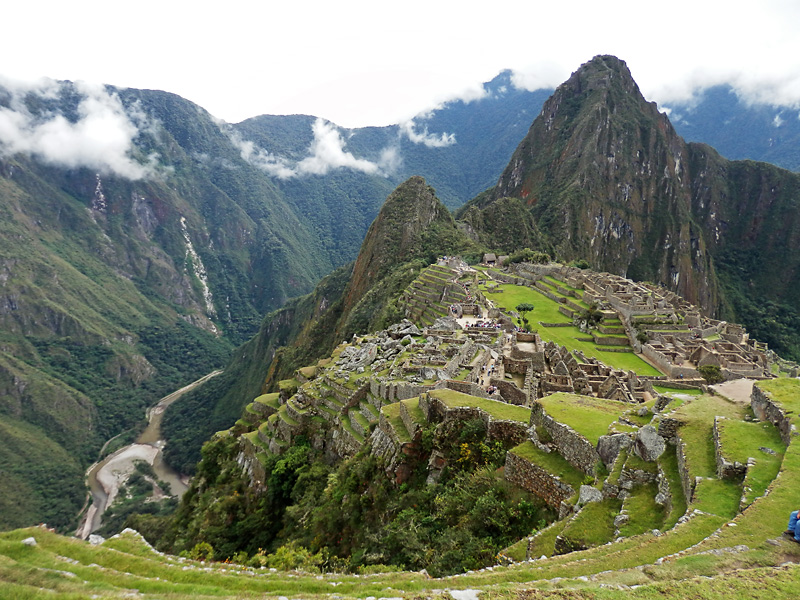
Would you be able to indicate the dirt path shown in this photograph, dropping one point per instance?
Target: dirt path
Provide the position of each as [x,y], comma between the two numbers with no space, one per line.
[738,390]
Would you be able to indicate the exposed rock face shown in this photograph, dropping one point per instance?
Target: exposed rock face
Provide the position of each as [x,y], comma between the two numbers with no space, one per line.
[648,445]
[607,178]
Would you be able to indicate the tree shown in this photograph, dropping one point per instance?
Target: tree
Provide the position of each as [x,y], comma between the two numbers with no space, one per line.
[523,309]
[711,373]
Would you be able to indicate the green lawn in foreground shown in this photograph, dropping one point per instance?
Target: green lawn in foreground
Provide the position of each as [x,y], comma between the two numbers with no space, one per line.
[546,311]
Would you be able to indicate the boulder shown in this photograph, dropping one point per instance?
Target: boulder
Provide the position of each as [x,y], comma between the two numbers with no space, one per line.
[96,540]
[648,445]
[29,541]
[608,447]
[589,494]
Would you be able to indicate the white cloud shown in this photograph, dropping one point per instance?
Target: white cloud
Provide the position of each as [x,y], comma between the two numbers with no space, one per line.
[326,152]
[777,121]
[101,139]
[431,140]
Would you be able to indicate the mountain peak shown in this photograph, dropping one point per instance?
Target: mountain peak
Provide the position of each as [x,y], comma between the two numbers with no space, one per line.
[394,234]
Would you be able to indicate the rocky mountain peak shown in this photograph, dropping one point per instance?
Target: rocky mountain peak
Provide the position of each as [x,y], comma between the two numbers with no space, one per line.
[394,234]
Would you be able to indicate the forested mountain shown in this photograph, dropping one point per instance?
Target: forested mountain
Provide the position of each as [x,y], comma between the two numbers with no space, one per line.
[608,179]
[142,239]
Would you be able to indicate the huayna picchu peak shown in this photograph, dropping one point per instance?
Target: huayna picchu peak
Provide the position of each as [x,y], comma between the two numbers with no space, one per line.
[607,179]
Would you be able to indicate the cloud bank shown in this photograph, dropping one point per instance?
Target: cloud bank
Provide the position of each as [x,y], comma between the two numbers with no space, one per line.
[101,139]
[431,140]
[325,153]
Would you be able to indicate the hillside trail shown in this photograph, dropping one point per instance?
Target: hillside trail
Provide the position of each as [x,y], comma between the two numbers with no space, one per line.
[738,390]
[105,478]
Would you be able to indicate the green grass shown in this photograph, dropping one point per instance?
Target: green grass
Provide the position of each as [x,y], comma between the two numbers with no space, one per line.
[392,414]
[496,409]
[718,497]
[591,417]
[741,441]
[544,541]
[552,462]
[669,465]
[698,431]
[272,400]
[644,513]
[594,524]
[546,311]
[667,391]
[414,411]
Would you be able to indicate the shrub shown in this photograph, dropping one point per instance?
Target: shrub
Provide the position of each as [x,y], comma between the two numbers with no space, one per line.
[711,373]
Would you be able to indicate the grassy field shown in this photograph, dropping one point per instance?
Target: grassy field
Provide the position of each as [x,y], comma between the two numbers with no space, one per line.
[498,410]
[546,311]
[588,416]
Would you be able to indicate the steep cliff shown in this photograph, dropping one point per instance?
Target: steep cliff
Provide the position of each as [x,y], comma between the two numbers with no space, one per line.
[606,178]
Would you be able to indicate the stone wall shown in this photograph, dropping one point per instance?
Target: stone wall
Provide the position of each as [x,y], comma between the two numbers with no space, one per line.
[466,387]
[510,392]
[686,483]
[536,480]
[575,448]
[436,411]
[725,468]
[766,410]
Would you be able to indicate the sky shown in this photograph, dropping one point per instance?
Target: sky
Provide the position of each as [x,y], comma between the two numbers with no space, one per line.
[359,63]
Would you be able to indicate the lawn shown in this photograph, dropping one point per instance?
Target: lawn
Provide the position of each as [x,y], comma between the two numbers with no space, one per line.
[698,431]
[498,410]
[546,311]
[588,416]
[552,462]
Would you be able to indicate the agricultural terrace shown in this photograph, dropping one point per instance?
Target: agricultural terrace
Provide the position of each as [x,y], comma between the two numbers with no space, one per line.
[591,417]
[497,410]
[546,311]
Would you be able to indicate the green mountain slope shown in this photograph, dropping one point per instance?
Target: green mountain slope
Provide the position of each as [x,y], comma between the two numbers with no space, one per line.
[607,179]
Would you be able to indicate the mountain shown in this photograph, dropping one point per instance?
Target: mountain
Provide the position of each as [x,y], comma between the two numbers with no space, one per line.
[608,179]
[142,239]
[412,228]
[129,266]
[739,128]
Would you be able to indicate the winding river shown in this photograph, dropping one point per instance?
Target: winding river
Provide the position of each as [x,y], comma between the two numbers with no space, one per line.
[105,478]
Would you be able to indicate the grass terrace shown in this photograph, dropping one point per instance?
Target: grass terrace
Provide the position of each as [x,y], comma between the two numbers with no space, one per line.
[741,441]
[496,409]
[594,524]
[546,311]
[392,414]
[697,432]
[272,400]
[552,462]
[591,417]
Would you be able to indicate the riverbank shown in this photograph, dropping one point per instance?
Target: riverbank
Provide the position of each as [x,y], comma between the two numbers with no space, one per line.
[105,478]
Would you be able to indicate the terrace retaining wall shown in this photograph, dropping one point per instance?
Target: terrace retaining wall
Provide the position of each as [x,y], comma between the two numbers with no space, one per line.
[537,481]
[766,410]
[575,448]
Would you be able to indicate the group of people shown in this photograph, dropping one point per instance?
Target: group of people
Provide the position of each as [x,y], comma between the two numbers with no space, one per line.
[486,324]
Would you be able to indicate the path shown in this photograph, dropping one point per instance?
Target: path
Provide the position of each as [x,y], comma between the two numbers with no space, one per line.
[738,390]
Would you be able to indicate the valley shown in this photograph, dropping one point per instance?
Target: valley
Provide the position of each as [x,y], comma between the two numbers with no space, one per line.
[582,382]
[105,478]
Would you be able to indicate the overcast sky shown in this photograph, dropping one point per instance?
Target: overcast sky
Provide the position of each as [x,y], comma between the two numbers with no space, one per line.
[362,63]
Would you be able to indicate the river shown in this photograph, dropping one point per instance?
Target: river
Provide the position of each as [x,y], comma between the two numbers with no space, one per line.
[105,478]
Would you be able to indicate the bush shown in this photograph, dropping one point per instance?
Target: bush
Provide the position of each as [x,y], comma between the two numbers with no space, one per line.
[711,373]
